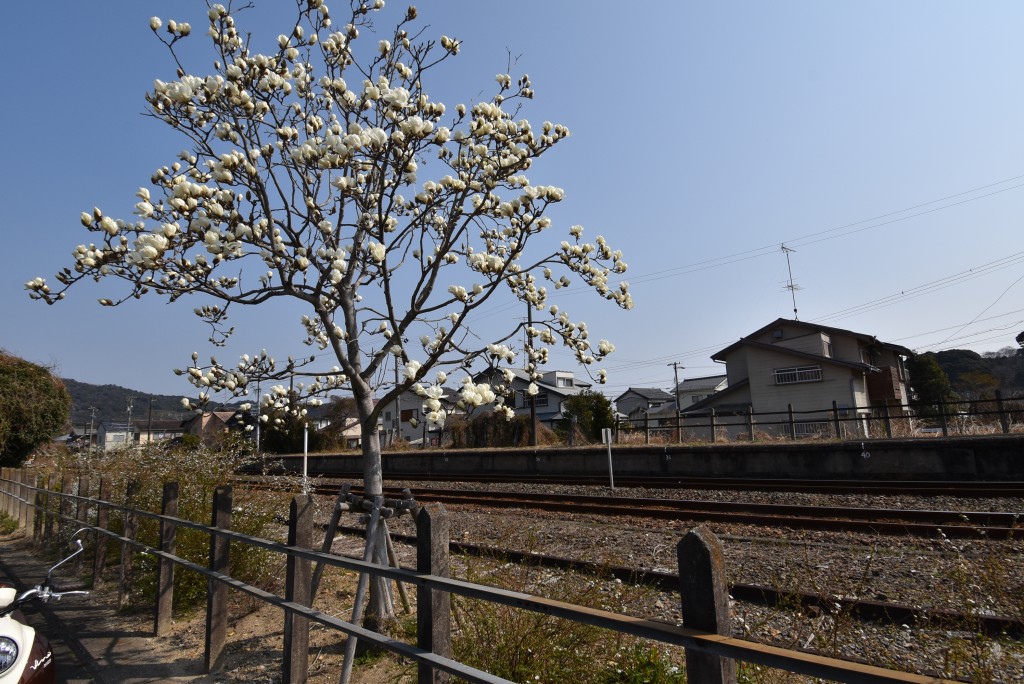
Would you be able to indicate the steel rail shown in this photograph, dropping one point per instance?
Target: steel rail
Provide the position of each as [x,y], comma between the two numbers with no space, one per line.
[861,609]
[952,524]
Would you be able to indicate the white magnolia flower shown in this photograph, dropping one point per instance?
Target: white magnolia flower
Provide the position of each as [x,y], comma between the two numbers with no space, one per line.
[411,369]
[532,389]
[155,23]
[377,252]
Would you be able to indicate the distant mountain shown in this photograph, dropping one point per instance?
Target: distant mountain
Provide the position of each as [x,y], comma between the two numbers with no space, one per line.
[111,403]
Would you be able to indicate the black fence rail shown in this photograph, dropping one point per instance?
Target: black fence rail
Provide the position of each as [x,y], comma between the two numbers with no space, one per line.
[50,509]
[887,420]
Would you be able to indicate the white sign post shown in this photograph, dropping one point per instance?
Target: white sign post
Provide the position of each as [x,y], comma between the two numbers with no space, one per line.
[606,437]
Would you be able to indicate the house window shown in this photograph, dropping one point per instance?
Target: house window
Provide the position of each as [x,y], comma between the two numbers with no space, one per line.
[563,382]
[541,399]
[811,428]
[409,414]
[696,397]
[790,376]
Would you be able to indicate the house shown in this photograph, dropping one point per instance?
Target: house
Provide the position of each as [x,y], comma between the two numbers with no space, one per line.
[805,367]
[553,388]
[114,434]
[692,390]
[637,401]
[404,417]
[211,426]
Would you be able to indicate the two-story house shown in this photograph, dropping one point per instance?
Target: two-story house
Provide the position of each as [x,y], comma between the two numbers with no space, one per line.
[805,367]
[692,390]
[636,401]
[553,388]
[404,418]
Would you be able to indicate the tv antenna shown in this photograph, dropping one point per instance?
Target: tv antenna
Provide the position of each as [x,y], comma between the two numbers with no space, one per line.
[790,285]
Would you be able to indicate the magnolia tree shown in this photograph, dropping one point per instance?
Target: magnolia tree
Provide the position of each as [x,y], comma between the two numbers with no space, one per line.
[317,168]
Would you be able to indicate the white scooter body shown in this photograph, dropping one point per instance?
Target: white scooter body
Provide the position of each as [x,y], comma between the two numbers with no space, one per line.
[35,659]
[25,655]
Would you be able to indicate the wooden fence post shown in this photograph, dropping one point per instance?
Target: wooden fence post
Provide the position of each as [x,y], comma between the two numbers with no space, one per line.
[65,509]
[835,419]
[714,426]
[28,519]
[131,530]
[51,482]
[216,591]
[165,567]
[750,420]
[942,419]
[40,516]
[433,607]
[888,419]
[81,513]
[705,602]
[99,560]
[647,429]
[297,588]
[792,424]
[1004,420]
[7,500]
[679,426]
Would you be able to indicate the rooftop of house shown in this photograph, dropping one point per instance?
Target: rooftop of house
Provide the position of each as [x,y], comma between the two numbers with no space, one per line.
[649,393]
[811,327]
[708,382]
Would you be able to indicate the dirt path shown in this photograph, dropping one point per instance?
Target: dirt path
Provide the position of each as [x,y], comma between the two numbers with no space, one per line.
[93,643]
[90,641]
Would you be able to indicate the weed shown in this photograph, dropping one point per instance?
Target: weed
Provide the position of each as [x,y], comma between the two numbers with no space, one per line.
[522,645]
[8,524]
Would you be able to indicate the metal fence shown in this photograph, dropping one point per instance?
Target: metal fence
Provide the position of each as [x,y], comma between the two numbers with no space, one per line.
[997,415]
[45,511]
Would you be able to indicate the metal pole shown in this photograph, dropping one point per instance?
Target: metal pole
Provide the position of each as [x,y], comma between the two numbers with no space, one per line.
[606,435]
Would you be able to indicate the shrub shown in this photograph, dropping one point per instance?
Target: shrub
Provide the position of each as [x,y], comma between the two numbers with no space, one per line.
[198,472]
[34,406]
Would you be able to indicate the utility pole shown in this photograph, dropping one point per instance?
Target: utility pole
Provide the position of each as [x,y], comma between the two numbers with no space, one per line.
[92,432]
[679,428]
[790,285]
[129,400]
[675,367]
[149,426]
[533,398]
[398,404]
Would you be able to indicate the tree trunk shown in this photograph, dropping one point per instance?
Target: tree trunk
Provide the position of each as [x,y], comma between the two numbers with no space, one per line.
[378,614]
[373,475]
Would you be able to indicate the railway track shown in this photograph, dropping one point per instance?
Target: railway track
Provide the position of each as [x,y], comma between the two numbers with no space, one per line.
[865,610]
[917,523]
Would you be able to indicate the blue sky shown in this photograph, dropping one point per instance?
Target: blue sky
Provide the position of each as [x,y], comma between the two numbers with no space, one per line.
[882,141]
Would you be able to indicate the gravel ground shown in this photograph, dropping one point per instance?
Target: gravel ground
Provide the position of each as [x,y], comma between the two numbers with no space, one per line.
[967,576]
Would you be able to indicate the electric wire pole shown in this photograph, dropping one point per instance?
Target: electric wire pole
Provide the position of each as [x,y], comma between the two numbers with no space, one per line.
[679,428]
[790,285]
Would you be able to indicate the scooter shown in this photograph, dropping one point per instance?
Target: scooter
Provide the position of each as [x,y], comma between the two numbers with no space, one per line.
[25,654]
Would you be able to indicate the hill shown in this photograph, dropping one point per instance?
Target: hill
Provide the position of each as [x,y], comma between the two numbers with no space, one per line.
[975,376]
[111,403]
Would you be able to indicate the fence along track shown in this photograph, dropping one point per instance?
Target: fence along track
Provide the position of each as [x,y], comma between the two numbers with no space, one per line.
[22,501]
[292,464]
